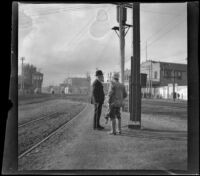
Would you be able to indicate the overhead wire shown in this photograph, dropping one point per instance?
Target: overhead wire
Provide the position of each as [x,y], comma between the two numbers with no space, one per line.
[169,30]
[26,24]
[83,31]
[80,33]
[165,25]
[65,10]
[158,12]
[158,38]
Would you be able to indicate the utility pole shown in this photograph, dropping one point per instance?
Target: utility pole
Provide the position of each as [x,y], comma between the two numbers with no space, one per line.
[135,109]
[22,81]
[146,82]
[146,50]
[151,78]
[174,85]
[122,20]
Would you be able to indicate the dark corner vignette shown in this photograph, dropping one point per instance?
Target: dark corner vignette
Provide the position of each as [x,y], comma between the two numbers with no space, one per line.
[9,152]
[10,164]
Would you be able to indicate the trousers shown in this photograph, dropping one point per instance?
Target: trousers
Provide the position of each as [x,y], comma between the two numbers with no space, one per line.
[97,114]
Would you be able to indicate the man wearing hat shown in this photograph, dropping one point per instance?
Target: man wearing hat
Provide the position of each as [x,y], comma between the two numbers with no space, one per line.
[116,95]
[98,97]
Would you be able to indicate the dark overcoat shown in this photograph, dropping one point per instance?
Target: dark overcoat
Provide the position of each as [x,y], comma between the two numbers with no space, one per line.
[98,95]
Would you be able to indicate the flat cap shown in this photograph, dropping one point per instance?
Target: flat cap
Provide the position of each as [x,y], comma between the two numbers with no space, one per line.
[116,75]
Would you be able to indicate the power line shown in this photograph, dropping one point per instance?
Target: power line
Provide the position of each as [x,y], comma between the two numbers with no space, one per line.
[82,31]
[173,27]
[53,10]
[161,13]
[27,24]
[65,10]
[167,24]
[59,8]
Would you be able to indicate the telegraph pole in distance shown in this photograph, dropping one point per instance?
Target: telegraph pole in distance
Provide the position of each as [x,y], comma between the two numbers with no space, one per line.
[146,50]
[149,82]
[151,77]
[174,84]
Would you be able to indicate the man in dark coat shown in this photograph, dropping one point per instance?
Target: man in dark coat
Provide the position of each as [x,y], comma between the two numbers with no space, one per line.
[98,97]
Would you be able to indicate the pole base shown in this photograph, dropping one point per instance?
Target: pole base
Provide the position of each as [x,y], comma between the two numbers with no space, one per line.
[134,125]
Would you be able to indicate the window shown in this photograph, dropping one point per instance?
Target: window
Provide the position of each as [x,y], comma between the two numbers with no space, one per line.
[167,73]
[178,74]
[155,74]
[69,81]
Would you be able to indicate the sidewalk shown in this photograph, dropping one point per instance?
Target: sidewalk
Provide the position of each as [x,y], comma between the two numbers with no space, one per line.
[161,144]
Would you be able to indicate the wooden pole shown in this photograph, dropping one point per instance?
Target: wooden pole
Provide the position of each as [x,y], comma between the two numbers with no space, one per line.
[135,116]
[122,41]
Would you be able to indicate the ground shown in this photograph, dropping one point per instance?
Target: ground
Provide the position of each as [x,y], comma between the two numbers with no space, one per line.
[161,144]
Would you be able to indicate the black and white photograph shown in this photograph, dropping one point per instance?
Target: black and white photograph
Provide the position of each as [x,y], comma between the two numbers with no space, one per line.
[102,87]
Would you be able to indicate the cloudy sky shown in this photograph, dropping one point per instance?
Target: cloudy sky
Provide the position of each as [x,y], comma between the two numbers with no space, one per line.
[72,39]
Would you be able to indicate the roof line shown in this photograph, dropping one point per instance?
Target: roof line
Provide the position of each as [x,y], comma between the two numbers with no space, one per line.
[128,5]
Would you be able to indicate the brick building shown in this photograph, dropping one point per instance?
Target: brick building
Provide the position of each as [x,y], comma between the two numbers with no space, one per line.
[161,77]
[31,80]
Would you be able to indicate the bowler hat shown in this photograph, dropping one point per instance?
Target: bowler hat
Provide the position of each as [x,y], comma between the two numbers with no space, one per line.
[99,73]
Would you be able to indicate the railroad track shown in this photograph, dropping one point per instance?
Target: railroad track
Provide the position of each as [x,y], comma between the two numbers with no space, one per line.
[43,115]
[144,104]
[68,123]
[38,119]
[169,104]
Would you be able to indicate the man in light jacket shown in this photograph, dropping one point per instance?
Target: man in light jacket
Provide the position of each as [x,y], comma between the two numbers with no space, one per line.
[116,95]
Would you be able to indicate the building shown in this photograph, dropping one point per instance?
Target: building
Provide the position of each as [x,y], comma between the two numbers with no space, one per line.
[31,80]
[51,89]
[77,85]
[37,79]
[162,78]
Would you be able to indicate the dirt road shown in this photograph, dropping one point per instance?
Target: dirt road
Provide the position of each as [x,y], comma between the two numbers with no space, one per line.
[161,144]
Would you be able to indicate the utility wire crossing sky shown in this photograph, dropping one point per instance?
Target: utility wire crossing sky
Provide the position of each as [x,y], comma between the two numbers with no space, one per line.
[73,39]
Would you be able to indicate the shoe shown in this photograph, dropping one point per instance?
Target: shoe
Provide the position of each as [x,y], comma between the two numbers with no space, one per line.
[111,133]
[119,132]
[100,127]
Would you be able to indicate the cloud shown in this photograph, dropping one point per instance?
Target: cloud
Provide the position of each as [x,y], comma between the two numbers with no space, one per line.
[61,43]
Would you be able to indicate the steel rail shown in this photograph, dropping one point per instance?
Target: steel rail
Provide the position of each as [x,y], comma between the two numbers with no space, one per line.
[52,133]
[35,120]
